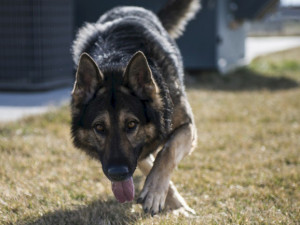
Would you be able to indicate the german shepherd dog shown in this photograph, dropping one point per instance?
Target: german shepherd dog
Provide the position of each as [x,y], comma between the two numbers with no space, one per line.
[129,106]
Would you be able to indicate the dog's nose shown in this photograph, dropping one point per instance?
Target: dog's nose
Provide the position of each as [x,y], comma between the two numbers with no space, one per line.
[118,173]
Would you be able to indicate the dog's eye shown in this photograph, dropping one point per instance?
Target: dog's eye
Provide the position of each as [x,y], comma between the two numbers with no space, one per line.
[99,128]
[131,125]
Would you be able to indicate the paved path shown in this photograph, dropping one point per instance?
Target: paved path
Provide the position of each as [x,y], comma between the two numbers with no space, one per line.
[13,106]
[16,105]
[256,46]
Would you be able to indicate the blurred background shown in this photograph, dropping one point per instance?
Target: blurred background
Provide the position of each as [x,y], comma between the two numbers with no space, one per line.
[242,61]
[36,35]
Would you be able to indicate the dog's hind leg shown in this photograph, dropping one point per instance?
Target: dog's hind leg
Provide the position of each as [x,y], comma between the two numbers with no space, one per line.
[146,165]
[174,200]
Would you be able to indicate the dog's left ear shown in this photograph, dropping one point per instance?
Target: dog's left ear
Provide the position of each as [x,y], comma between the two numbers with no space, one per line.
[138,77]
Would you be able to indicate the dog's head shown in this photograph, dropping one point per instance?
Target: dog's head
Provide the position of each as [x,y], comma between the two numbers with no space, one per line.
[115,112]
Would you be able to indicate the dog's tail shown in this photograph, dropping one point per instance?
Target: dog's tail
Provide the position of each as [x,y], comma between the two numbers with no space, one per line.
[176,14]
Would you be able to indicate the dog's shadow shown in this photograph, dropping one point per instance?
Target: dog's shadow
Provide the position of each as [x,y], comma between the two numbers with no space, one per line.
[241,79]
[97,212]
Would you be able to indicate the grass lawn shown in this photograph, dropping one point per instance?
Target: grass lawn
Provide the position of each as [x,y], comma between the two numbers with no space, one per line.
[245,170]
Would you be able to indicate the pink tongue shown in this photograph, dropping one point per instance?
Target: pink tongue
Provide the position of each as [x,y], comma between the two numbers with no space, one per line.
[123,190]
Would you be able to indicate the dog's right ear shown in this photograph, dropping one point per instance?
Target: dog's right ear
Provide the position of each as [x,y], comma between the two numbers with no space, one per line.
[88,79]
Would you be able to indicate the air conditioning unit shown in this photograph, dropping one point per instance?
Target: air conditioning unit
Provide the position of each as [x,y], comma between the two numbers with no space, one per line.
[35,39]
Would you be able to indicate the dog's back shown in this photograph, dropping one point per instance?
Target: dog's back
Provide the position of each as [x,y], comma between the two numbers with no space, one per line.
[126,29]
[119,33]
[122,31]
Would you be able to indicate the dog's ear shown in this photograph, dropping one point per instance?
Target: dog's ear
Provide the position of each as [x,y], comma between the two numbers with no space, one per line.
[88,79]
[138,77]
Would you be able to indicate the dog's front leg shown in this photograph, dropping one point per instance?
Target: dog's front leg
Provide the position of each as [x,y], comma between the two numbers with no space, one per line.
[174,200]
[156,185]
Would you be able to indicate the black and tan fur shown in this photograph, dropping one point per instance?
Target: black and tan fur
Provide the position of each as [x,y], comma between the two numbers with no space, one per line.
[129,102]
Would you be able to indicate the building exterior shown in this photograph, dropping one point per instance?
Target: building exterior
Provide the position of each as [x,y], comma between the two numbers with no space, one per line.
[36,36]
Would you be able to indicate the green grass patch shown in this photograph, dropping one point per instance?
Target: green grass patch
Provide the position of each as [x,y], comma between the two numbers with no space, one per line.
[245,170]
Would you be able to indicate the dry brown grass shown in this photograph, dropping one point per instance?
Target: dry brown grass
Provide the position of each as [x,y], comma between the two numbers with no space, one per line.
[246,169]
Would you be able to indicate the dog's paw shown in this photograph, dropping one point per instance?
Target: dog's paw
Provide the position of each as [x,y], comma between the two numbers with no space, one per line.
[178,206]
[184,211]
[176,203]
[154,193]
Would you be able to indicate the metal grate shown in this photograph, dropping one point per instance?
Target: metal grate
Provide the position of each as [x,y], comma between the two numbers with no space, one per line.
[35,39]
